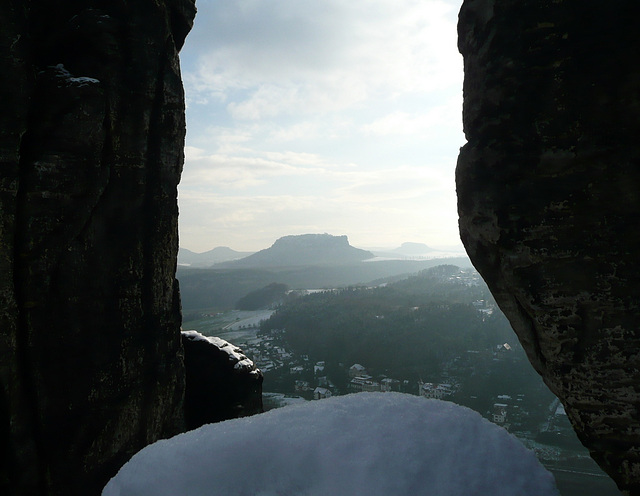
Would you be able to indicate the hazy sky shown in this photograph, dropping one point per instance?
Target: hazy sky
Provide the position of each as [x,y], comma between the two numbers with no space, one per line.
[320,116]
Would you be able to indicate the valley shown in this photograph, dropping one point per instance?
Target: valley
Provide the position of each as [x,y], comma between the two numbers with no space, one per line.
[436,333]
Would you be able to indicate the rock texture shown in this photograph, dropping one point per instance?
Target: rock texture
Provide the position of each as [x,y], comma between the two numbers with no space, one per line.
[549,200]
[91,151]
[222,383]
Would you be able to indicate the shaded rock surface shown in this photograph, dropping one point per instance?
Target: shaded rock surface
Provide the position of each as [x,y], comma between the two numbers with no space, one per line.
[222,383]
[549,201]
[91,151]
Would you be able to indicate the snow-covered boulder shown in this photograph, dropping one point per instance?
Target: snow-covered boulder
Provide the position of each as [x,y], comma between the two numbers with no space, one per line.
[373,444]
[221,382]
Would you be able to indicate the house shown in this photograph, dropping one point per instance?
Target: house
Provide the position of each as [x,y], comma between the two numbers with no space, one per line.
[387,385]
[357,370]
[298,369]
[499,413]
[321,393]
[364,383]
[436,391]
[503,347]
[319,367]
[302,386]
[266,365]
[283,354]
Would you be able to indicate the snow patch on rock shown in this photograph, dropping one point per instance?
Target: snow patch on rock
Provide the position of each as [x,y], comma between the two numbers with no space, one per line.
[235,353]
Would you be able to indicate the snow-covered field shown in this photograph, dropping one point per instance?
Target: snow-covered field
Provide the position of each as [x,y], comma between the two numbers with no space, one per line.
[249,319]
[373,444]
[236,326]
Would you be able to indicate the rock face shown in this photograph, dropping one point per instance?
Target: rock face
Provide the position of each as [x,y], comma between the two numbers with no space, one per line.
[549,201]
[91,151]
[222,383]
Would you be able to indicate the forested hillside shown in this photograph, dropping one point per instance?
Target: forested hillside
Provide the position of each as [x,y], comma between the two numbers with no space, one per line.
[221,289]
[408,328]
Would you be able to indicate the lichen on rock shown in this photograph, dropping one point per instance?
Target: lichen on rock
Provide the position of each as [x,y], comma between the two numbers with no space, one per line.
[549,200]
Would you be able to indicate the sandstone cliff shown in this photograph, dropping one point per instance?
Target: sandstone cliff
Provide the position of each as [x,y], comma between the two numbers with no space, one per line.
[91,151]
[549,200]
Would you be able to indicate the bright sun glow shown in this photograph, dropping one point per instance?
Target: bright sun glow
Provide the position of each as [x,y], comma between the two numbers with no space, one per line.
[338,117]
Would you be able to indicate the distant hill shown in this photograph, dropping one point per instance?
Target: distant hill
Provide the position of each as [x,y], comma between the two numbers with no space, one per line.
[417,251]
[263,297]
[209,258]
[412,249]
[304,250]
[405,330]
[221,288]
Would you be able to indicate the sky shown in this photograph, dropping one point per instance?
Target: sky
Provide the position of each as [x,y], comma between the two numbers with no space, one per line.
[321,116]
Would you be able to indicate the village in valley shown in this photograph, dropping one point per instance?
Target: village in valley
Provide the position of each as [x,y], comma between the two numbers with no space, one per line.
[536,417]
[297,377]
[496,381]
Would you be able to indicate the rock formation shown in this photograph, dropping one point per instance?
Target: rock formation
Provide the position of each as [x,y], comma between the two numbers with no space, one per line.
[91,151]
[222,383]
[549,201]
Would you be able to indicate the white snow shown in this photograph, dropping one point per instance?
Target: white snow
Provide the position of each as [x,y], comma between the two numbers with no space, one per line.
[235,353]
[76,81]
[373,444]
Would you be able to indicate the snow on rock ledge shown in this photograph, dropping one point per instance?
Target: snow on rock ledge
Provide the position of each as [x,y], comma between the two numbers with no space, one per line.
[374,444]
[221,382]
[235,354]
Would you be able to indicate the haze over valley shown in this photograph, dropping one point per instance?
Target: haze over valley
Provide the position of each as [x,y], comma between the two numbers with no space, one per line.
[314,249]
[433,332]
[311,261]
[322,318]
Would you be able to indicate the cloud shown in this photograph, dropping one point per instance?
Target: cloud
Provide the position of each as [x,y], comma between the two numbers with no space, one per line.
[399,185]
[265,59]
[220,171]
[434,119]
[407,203]
[255,222]
[276,172]
[321,116]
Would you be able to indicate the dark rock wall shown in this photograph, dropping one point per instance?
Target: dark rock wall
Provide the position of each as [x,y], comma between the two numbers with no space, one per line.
[91,144]
[222,383]
[549,200]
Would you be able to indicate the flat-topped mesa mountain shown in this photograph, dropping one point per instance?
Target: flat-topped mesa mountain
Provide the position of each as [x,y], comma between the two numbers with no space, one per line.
[208,258]
[304,250]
